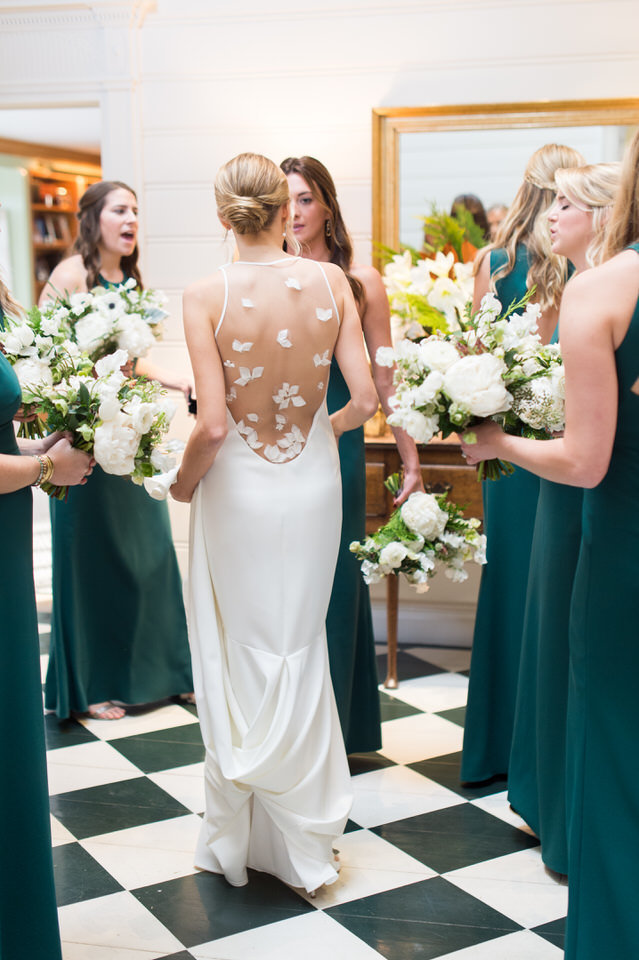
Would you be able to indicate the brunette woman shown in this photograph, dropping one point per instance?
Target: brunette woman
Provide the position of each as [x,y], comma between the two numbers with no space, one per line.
[319,227]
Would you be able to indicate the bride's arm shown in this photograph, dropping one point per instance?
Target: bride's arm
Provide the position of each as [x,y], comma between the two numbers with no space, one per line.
[202,303]
[351,357]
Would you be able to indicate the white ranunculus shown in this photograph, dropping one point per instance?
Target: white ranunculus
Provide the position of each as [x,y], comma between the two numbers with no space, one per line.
[111,363]
[17,338]
[158,486]
[134,335]
[92,330]
[142,414]
[115,445]
[475,383]
[438,354]
[422,513]
[392,555]
[32,372]
[385,357]
[419,427]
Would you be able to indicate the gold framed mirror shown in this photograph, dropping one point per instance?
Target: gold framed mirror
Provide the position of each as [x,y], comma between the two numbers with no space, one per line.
[426,155]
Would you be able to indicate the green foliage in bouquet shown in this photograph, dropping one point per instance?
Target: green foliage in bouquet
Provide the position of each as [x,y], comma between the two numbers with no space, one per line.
[443,230]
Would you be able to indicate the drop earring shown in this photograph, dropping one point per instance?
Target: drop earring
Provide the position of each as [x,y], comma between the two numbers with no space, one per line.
[328,232]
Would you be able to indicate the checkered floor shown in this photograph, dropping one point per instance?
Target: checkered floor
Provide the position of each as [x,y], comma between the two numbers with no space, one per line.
[429,869]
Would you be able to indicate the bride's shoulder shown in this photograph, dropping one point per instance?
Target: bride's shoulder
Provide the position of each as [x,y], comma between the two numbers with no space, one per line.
[207,292]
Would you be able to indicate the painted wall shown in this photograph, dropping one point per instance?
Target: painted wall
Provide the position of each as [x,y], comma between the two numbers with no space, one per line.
[185,84]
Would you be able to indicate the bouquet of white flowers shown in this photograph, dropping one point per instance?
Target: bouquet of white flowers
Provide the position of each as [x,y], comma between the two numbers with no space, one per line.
[122,422]
[427,294]
[424,531]
[113,318]
[39,349]
[493,366]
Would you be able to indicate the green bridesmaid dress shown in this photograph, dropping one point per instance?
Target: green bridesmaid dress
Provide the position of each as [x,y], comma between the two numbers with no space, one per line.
[118,626]
[510,504]
[603,718]
[537,771]
[349,624]
[28,915]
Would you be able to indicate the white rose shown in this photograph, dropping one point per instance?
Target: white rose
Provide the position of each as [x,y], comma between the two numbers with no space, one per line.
[115,445]
[158,486]
[419,427]
[134,335]
[427,391]
[438,354]
[392,555]
[32,372]
[109,408]
[92,330]
[17,338]
[142,414]
[475,383]
[422,513]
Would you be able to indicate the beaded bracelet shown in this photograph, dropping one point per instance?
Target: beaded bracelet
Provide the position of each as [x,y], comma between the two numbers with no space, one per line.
[46,470]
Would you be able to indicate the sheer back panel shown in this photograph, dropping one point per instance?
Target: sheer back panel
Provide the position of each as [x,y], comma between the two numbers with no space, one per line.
[276,338]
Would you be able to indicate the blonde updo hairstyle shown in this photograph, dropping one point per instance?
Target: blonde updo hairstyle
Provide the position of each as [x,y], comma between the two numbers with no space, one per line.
[249,191]
[526,222]
[623,226]
[591,188]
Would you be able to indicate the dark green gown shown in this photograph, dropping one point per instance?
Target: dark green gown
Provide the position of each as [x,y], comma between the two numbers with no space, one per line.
[537,771]
[509,515]
[28,916]
[349,624]
[118,627]
[603,715]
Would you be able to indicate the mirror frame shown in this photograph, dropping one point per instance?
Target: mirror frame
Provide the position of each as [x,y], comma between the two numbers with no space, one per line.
[390,122]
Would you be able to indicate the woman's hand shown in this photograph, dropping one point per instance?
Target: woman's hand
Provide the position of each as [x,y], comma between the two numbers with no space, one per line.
[70,465]
[489,442]
[413,483]
[23,417]
[179,492]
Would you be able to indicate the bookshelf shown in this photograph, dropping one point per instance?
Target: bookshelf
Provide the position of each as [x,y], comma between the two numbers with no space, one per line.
[54,193]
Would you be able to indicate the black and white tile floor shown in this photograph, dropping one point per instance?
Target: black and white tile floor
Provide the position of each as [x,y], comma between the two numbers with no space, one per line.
[429,869]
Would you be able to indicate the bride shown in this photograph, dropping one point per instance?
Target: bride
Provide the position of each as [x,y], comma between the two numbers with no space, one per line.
[262,471]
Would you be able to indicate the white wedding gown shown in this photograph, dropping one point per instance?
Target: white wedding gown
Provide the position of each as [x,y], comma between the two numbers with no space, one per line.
[265,530]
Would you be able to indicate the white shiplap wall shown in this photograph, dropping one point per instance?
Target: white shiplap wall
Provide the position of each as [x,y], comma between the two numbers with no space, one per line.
[185,84]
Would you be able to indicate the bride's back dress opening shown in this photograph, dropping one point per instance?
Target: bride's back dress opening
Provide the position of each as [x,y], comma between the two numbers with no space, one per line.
[265,530]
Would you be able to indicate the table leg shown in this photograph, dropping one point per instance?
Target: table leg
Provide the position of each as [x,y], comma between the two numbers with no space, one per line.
[392,599]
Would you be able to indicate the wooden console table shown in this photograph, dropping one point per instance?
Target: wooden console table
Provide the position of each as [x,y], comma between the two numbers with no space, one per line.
[443,469]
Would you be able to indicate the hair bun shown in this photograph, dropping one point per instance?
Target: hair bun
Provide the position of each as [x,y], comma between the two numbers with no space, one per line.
[249,190]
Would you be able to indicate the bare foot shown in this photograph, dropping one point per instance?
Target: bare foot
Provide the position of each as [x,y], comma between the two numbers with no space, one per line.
[105,711]
[187,698]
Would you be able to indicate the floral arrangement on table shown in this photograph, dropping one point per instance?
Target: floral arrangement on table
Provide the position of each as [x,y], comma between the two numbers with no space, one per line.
[493,366]
[110,318]
[429,289]
[425,531]
[122,422]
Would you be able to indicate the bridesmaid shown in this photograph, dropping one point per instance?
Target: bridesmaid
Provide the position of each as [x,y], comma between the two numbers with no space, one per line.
[28,915]
[110,539]
[599,332]
[319,227]
[519,259]
[536,776]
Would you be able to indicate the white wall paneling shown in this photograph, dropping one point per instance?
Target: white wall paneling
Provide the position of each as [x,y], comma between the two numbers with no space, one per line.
[185,84]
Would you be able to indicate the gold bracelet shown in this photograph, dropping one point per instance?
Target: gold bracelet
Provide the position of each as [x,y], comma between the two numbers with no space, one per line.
[46,470]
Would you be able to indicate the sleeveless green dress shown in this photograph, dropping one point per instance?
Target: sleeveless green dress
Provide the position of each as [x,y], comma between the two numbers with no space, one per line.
[118,627]
[510,504]
[349,624]
[603,719]
[537,771]
[28,915]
